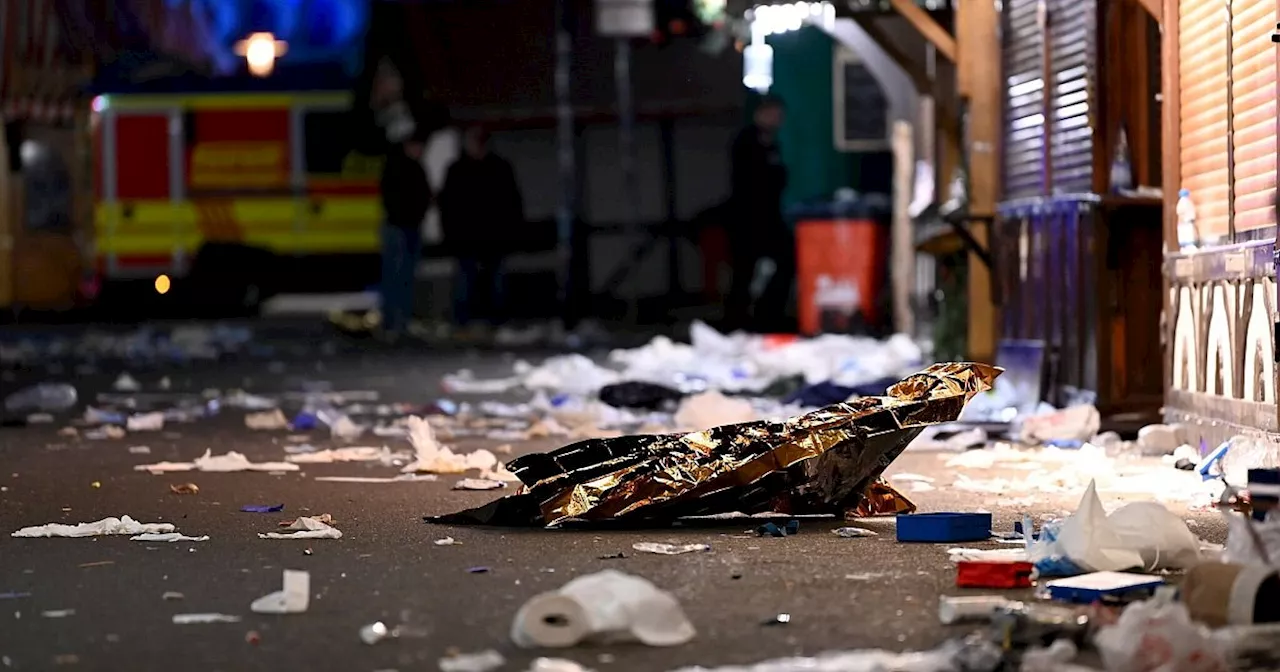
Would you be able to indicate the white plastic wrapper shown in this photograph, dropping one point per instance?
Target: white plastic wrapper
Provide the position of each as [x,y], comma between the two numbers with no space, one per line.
[145,422]
[1077,423]
[712,409]
[266,420]
[225,463]
[1142,535]
[668,549]
[167,537]
[1242,544]
[352,454]
[305,528]
[106,526]
[940,660]
[482,661]
[601,607]
[1158,636]
[292,599]
[430,456]
[204,619]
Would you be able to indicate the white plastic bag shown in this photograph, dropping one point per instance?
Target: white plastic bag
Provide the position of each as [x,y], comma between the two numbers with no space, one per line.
[1158,636]
[1142,534]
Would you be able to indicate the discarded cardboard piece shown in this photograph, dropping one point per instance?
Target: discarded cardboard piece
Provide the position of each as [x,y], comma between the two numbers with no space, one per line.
[826,461]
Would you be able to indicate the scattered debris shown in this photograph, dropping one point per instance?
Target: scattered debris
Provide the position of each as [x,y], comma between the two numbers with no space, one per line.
[226,463]
[127,383]
[478,484]
[145,422]
[484,661]
[204,618]
[374,632]
[669,549]
[446,541]
[262,508]
[139,450]
[402,478]
[171,596]
[605,605]
[305,528]
[292,599]
[853,532]
[169,537]
[477,570]
[58,613]
[353,454]
[184,488]
[266,420]
[106,526]
[105,432]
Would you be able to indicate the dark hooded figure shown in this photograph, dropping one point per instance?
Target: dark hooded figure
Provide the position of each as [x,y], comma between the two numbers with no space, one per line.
[480,208]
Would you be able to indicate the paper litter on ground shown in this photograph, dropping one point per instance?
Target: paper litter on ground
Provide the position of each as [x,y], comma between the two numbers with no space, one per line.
[225,463]
[351,454]
[432,457]
[668,549]
[168,536]
[402,478]
[305,528]
[106,526]
[201,619]
[293,598]
[478,484]
[483,661]
[145,422]
[266,420]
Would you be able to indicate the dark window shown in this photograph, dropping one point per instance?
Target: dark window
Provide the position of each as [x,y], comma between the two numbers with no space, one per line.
[866,110]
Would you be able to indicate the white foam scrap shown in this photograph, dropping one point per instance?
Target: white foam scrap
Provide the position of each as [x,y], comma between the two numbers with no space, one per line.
[225,463]
[145,422]
[106,526]
[168,536]
[432,457]
[293,598]
[484,661]
[305,528]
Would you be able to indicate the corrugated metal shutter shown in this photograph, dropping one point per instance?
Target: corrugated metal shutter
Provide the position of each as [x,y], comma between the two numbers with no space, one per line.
[1024,100]
[1253,106]
[1202,55]
[1071,94]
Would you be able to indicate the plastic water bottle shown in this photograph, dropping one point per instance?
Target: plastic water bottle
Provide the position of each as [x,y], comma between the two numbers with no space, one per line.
[1188,234]
[45,397]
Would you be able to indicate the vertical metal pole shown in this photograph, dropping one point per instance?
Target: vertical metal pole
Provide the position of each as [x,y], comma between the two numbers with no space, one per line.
[565,160]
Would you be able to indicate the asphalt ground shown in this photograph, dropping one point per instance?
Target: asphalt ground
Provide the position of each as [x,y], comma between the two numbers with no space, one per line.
[840,593]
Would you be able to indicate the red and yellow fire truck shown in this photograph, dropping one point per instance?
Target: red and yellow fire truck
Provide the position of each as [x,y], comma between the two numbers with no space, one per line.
[267,180]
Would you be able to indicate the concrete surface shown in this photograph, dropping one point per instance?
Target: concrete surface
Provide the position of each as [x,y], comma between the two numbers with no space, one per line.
[387,568]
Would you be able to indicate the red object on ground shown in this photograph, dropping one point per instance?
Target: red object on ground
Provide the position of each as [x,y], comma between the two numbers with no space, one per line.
[839,256]
[772,341]
[998,575]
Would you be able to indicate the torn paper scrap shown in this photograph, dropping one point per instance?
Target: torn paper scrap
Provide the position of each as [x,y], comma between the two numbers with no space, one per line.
[168,536]
[305,528]
[402,478]
[292,599]
[432,457]
[266,420]
[145,422]
[58,613]
[226,463]
[353,454]
[477,484]
[106,526]
[852,532]
[668,549]
[200,619]
[484,661]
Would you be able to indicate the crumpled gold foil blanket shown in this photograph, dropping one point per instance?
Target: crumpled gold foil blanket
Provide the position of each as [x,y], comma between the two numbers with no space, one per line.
[826,461]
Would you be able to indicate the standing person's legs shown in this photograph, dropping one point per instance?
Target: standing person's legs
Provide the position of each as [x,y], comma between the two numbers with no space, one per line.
[393,253]
[495,305]
[409,272]
[464,290]
[743,254]
[771,309]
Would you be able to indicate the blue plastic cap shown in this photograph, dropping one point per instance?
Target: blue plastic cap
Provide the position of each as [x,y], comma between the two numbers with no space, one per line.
[1183,193]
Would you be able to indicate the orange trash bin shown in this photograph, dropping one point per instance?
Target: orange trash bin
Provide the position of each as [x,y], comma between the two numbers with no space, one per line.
[840,274]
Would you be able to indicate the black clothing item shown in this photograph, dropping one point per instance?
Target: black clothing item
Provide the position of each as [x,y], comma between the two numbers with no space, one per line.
[480,204]
[406,192]
[758,179]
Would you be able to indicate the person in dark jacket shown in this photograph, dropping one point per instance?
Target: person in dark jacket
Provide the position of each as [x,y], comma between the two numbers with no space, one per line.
[398,123]
[480,209]
[757,230]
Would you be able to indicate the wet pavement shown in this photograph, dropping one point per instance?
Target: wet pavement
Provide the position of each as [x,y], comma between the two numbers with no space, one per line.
[840,593]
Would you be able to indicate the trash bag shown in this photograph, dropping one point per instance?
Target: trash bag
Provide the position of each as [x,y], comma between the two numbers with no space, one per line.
[637,394]
[824,461]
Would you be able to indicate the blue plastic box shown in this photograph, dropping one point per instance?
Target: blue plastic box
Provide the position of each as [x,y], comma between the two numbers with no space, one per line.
[1090,588]
[944,528]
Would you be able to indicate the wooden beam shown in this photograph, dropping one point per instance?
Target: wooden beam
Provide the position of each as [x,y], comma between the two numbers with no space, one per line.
[922,22]
[1156,9]
[978,28]
[1170,126]
[947,117]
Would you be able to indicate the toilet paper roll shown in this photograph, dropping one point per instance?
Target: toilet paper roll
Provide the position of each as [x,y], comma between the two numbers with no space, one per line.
[551,620]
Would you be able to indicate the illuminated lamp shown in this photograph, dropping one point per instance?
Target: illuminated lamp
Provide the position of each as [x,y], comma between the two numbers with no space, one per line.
[260,51]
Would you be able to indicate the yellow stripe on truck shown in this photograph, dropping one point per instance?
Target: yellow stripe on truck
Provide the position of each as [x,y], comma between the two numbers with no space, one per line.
[282,225]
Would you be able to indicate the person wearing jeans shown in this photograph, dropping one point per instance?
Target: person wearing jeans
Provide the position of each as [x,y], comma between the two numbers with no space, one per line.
[401,249]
